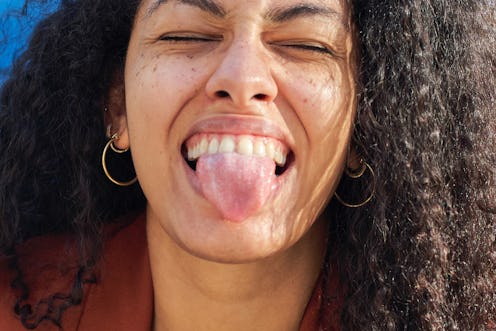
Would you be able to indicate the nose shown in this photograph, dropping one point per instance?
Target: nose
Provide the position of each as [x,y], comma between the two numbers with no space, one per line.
[243,75]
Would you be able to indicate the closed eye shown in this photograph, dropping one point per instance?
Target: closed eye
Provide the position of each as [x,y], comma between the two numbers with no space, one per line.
[308,47]
[189,38]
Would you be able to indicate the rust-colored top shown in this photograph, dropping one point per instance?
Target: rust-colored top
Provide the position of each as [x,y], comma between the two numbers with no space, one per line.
[122,297]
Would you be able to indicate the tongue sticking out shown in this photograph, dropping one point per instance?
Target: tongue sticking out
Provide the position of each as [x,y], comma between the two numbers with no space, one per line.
[237,185]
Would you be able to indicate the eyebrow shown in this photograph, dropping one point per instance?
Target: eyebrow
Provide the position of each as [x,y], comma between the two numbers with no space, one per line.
[209,6]
[277,15]
[284,14]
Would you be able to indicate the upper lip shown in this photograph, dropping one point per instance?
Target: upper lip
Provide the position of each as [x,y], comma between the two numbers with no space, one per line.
[240,125]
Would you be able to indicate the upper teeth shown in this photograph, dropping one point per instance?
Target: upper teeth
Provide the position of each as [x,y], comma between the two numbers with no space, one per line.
[203,144]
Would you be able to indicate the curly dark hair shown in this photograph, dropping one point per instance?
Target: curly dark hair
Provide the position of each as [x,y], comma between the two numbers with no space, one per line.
[420,256]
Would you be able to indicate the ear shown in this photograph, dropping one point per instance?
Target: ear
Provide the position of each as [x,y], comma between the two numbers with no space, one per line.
[115,116]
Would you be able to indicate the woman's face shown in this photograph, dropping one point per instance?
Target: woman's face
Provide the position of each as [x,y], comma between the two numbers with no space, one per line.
[238,115]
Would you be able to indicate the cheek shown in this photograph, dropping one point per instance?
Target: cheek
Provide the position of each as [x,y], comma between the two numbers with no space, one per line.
[330,124]
[157,89]
[162,77]
[322,102]
[329,106]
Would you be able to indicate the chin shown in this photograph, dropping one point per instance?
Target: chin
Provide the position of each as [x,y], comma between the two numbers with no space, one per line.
[222,241]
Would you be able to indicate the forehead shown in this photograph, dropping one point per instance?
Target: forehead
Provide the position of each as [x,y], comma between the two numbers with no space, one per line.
[274,10]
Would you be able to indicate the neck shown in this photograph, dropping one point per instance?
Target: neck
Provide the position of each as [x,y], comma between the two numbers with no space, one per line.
[195,294]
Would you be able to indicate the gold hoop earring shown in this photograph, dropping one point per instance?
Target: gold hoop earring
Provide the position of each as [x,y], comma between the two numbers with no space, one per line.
[110,144]
[355,175]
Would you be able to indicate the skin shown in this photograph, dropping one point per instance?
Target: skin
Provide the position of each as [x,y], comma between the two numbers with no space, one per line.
[293,71]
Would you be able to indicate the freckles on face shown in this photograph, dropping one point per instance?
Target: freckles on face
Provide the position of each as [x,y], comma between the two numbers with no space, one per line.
[252,104]
[152,68]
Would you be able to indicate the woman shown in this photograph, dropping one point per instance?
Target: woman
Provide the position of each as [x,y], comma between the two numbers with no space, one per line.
[241,118]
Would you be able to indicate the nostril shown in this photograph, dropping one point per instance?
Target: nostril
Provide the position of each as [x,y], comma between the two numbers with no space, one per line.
[260,97]
[222,94]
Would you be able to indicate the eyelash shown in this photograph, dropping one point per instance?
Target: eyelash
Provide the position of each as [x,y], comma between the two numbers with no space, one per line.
[311,48]
[302,46]
[178,39]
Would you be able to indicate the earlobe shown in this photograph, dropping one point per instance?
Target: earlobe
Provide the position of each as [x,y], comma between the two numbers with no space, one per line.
[117,130]
[354,161]
[120,135]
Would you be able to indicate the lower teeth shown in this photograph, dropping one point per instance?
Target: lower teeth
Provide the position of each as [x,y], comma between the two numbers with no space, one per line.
[192,164]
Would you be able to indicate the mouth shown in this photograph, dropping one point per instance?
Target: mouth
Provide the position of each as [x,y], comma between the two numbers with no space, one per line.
[249,145]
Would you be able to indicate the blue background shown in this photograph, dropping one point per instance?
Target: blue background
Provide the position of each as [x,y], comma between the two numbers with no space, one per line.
[16,26]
